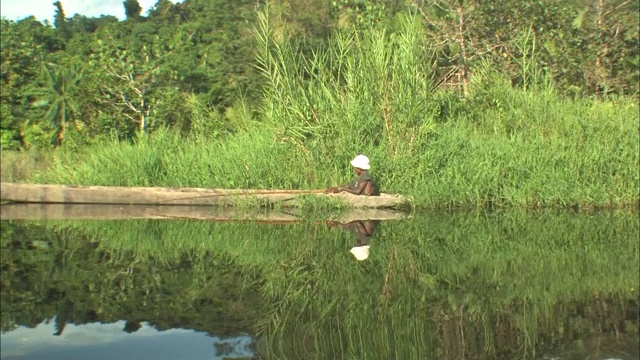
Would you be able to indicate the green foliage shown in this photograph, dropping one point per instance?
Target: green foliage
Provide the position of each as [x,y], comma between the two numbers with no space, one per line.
[24,46]
[167,159]
[9,137]
[135,71]
[518,148]
[60,21]
[575,40]
[138,72]
[132,9]
[37,136]
[60,98]
[379,81]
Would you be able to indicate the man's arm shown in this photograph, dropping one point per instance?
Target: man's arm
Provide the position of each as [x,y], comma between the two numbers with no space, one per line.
[354,226]
[358,191]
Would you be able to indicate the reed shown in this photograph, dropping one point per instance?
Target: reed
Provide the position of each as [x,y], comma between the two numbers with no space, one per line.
[543,152]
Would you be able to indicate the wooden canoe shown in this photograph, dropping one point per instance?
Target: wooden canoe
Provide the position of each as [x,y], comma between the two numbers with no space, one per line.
[180,212]
[119,195]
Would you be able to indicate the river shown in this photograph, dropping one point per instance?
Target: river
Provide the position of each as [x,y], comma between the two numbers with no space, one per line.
[509,284]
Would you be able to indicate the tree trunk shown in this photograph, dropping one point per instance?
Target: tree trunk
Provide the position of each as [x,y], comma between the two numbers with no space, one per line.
[601,75]
[464,70]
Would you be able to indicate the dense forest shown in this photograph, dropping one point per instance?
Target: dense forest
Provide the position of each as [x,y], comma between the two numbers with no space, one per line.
[196,66]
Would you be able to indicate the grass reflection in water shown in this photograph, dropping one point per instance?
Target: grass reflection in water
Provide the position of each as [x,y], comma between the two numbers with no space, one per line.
[448,285]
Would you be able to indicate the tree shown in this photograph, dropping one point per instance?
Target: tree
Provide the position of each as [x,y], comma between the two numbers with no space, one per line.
[611,26]
[60,97]
[129,79]
[212,47]
[60,21]
[449,23]
[26,44]
[132,9]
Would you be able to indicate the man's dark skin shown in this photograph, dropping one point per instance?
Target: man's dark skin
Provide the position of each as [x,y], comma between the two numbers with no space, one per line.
[362,229]
[364,187]
[358,227]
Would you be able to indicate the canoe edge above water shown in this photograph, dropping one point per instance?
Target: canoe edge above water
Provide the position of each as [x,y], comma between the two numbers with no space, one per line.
[120,195]
[25,211]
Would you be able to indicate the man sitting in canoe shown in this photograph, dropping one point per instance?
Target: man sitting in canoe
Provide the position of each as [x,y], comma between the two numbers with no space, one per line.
[362,183]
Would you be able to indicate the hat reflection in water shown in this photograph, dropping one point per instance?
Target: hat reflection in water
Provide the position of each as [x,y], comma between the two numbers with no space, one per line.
[360,252]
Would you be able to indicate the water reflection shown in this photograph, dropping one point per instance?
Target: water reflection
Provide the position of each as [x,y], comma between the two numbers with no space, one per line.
[474,286]
[363,231]
[115,341]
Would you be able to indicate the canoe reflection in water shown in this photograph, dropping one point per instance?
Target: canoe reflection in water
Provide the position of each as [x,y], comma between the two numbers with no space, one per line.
[363,231]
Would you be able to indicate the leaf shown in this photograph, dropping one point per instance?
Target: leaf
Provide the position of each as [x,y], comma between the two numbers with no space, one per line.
[579,20]
[41,103]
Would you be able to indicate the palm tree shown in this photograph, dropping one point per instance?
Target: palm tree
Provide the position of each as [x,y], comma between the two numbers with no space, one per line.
[62,85]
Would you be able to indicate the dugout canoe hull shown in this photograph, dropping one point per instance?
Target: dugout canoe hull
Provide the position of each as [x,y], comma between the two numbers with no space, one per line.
[119,195]
[182,212]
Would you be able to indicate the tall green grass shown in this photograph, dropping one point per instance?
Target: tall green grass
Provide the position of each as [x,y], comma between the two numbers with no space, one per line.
[545,151]
[372,92]
[250,160]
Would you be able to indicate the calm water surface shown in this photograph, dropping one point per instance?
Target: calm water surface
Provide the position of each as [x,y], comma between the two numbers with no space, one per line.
[112,341]
[470,285]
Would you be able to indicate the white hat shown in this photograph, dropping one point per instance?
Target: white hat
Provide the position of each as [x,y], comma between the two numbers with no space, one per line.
[361,162]
[360,252]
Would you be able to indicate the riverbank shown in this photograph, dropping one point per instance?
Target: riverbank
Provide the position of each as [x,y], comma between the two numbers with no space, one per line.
[539,151]
[501,142]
